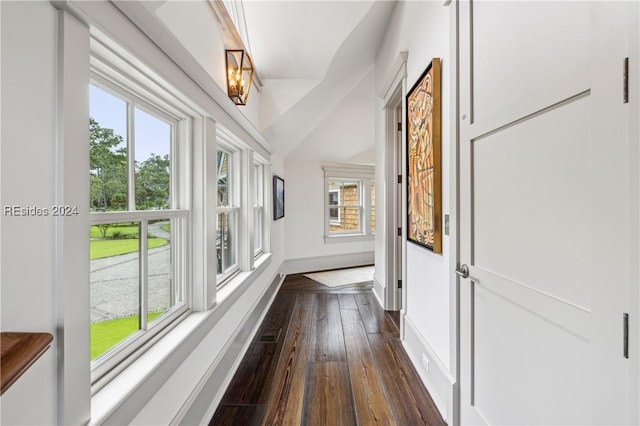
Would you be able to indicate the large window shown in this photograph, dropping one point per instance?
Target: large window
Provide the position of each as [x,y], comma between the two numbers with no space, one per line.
[349,201]
[137,232]
[227,214]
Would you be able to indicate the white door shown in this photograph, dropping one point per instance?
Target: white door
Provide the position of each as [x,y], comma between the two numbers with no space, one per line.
[544,212]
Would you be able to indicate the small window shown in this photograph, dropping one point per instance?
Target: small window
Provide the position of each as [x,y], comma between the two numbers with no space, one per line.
[226,216]
[334,200]
[345,209]
[349,201]
[258,208]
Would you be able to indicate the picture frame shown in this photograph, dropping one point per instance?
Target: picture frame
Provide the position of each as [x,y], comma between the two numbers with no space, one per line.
[424,159]
[278,197]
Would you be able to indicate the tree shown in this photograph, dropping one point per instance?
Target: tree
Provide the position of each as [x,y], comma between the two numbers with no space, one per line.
[153,182]
[108,168]
[103,228]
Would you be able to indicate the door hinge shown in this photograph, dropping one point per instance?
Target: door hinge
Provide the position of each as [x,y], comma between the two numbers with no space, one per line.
[625,335]
[399,283]
[399,178]
[399,127]
[625,81]
[399,232]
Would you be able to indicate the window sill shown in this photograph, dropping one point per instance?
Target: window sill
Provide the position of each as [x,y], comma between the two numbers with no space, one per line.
[348,238]
[139,381]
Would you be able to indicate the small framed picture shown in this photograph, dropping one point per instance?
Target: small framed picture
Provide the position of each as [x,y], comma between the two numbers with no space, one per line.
[278,197]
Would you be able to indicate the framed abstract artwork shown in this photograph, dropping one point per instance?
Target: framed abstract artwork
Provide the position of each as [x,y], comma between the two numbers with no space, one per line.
[424,203]
[278,197]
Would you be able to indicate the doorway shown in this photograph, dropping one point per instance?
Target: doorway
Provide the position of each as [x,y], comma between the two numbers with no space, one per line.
[395,207]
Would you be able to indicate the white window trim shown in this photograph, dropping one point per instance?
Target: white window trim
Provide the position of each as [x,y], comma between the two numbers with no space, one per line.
[365,176]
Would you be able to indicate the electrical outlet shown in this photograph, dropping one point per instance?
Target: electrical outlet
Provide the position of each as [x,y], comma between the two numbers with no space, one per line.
[425,362]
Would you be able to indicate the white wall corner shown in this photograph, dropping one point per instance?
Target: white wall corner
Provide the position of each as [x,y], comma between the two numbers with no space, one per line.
[436,377]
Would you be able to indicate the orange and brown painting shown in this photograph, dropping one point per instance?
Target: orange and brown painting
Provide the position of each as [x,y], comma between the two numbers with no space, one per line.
[423,160]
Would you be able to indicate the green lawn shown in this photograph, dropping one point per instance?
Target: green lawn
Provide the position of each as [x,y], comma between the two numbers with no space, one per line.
[107,334]
[99,249]
[167,227]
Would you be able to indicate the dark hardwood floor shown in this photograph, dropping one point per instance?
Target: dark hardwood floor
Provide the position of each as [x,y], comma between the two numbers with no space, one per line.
[326,356]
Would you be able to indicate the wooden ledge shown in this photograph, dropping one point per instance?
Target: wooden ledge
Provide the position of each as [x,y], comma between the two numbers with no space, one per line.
[17,352]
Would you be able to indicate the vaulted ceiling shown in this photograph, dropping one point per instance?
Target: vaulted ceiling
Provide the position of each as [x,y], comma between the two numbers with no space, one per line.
[315,62]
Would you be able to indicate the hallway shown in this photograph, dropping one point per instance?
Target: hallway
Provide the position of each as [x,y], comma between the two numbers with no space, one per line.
[326,356]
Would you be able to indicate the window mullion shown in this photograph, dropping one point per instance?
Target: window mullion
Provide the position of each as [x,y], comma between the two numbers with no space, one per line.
[365,191]
[131,157]
[144,275]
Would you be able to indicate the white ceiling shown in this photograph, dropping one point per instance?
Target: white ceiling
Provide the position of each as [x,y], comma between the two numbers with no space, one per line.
[298,39]
[315,61]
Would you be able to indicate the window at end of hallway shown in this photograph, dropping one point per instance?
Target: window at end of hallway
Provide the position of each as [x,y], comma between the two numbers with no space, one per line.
[349,202]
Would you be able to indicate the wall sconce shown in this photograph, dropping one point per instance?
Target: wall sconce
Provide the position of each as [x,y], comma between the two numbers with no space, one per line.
[239,74]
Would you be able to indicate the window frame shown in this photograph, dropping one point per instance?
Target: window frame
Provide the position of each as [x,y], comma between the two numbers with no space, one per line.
[372,205]
[333,221]
[125,88]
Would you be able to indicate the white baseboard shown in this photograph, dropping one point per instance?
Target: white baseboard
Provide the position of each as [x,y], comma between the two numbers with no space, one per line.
[323,263]
[437,379]
[378,289]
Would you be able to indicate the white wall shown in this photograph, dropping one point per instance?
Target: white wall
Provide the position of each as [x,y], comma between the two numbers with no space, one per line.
[422,29]
[345,135]
[28,172]
[304,219]
[346,132]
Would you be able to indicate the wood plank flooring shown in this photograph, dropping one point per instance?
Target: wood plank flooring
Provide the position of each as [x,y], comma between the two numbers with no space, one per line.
[326,356]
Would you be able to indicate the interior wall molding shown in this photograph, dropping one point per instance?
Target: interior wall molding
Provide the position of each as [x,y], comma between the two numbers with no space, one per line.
[397,72]
[323,263]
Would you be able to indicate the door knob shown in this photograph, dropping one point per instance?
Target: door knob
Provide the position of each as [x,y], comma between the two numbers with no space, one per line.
[462,270]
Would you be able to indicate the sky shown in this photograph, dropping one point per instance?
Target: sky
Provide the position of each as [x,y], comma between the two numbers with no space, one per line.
[151,134]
